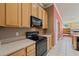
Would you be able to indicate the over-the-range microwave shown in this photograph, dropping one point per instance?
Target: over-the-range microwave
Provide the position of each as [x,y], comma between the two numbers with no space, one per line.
[36,22]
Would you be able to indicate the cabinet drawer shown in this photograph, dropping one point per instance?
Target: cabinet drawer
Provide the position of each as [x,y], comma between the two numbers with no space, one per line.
[31,47]
[31,53]
[21,52]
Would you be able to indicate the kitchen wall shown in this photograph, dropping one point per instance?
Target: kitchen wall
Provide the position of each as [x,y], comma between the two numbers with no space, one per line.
[50,11]
[9,34]
[50,29]
[52,16]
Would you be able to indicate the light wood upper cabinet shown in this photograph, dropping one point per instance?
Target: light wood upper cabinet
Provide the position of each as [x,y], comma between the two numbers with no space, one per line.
[18,15]
[2,14]
[26,13]
[34,10]
[45,20]
[13,14]
[40,13]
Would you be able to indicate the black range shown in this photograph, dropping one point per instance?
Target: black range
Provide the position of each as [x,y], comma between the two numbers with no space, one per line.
[41,42]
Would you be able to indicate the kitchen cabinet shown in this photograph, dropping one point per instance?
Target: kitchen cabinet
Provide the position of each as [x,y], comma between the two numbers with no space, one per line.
[2,14]
[26,13]
[40,13]
[34,10]
[74,42]
[13,14]
[45,20]
[18,15]
[31,50]
[27,51]
[49,42]
[66,30]
[21,52]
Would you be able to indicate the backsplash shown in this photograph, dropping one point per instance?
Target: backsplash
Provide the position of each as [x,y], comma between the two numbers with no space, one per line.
[7,34]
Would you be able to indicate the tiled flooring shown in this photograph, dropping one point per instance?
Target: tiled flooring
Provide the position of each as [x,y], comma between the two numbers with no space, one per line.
[63,48]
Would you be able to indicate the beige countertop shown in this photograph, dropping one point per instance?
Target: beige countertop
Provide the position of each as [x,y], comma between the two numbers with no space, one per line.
[46,35]
[75,35]
[9,48]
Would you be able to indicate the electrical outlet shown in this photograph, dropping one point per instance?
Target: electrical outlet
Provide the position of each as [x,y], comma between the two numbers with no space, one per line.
[0,43]
[17,33]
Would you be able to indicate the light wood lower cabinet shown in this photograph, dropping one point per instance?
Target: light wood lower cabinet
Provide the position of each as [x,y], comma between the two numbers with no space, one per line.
[67,31]
[28,51]
[21,52]
[31,51]
[49,42]
[74,42]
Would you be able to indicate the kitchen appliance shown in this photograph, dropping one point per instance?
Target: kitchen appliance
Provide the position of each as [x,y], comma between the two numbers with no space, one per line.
[36,22]
[78,43]
[41,42]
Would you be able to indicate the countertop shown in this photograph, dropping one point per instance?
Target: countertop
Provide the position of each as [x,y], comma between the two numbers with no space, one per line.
[75,35]
[9,48]
[46,35]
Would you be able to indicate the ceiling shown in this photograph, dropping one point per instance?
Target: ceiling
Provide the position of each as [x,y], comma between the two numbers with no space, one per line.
[46,5]
[69,12]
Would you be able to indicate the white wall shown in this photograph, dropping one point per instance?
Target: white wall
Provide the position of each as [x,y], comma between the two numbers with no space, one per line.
[69,12]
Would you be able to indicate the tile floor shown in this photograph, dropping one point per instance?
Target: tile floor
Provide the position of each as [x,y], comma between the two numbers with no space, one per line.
[63,48]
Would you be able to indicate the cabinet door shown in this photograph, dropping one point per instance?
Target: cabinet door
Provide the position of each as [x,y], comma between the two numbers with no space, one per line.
[34,10]
[26,13]
[12,14]
[49,42]
[31,50]
[74,42]
[40,13]
[21,52]
[2,14]
[45,20]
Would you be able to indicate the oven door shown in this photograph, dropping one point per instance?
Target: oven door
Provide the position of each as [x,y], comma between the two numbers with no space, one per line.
[41,47]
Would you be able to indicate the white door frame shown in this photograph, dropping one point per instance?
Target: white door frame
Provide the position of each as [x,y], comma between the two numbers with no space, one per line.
[56,30]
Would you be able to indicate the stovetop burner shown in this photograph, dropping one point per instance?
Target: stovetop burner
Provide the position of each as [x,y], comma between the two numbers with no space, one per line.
[34,36]
[38,38]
